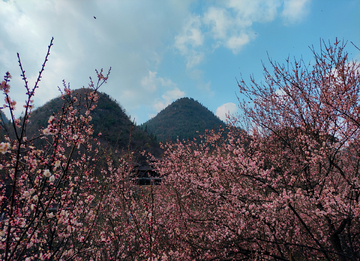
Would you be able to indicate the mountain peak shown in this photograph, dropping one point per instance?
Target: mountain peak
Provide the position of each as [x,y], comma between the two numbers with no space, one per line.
[185,118]
[109,118]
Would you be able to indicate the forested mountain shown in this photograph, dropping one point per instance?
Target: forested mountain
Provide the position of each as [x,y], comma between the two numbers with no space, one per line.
[109,118]
[3,117]
[3,122]
[184,119]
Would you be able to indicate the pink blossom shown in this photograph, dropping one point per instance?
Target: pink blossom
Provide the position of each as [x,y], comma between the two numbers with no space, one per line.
[4,146]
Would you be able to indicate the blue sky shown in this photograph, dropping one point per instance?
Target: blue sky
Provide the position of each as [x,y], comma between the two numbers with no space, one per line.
[161,50]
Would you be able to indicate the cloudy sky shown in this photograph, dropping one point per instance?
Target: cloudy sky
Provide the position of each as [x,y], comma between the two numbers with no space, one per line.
[162,50]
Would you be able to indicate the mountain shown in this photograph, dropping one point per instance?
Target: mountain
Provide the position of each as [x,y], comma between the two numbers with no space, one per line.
[108,117]
[3,118]
[4,123]
[184,119]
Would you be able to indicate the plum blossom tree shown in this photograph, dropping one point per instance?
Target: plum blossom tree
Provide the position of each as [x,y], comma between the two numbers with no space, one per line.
[129,225]
[62,196]
[49,195]
[287,190]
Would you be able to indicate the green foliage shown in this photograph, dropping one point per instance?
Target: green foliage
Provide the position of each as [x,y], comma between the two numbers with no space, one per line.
[183,119]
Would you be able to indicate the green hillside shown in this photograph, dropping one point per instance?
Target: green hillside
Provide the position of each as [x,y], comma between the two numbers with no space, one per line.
[109,118]
[4,121]
[3,118]
[182,119]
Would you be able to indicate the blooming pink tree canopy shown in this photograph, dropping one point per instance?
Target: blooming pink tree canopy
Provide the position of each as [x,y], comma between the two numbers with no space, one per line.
[49,193]
[287,188]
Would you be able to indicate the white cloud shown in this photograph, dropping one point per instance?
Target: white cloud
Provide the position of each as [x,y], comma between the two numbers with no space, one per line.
[189,39]
[168,97]
[206,87]
[151,83]
[250,11]
[201,82]
[172,95]
[229,23]
[235,43]
[219,21]
[194,58]
[190,35]
[226,109]
[170,92]
[295,10]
